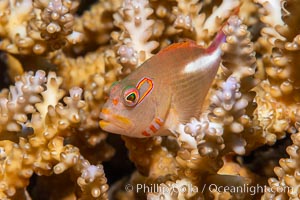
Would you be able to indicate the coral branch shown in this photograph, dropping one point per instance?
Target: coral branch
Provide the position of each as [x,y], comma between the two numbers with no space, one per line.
[37,27]
[287,184]
[279,92]
[41,148]
[133,19]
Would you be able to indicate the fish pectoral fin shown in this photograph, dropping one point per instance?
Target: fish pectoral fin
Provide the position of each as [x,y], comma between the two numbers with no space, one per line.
[190,94]
[164,132]
[184,109]
[172,120]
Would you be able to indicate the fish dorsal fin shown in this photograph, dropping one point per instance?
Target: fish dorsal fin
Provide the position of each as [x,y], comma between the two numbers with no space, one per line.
[179,45]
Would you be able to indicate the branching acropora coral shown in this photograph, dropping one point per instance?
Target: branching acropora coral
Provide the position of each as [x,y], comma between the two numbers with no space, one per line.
[32,125]
[61,64]
[133,19]
[36,27]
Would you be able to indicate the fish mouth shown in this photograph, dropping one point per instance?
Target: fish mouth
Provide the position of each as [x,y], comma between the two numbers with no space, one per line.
[114,123]
[110,127]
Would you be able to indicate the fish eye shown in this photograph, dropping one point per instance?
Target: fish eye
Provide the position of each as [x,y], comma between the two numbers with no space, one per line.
[131,96]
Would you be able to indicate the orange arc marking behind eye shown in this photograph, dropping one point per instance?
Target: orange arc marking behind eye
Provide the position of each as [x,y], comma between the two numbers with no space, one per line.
[139,85]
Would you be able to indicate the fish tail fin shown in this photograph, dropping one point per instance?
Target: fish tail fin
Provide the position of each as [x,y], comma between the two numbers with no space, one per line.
[221,37]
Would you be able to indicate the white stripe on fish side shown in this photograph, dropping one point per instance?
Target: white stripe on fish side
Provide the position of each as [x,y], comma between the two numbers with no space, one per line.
[202,62]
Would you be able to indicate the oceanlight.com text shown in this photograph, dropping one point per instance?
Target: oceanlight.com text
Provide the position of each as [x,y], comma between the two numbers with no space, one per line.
[191,189]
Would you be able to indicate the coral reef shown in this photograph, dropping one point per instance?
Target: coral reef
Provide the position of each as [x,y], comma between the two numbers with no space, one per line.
[37,26]
[61,62]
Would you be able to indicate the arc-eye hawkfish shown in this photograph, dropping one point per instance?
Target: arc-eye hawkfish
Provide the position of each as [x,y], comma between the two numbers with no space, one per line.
[167,89]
